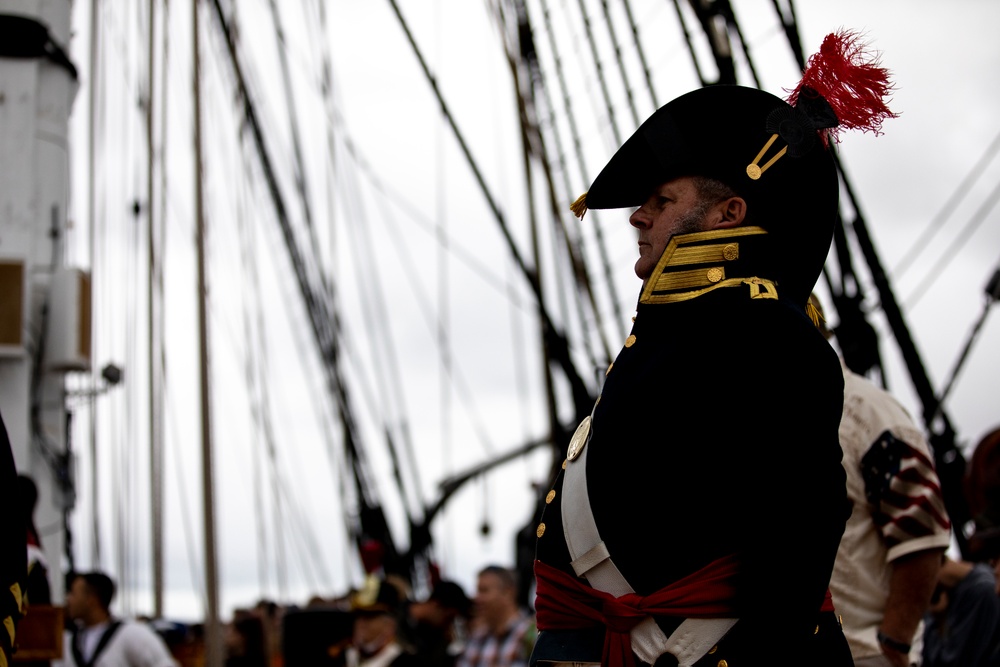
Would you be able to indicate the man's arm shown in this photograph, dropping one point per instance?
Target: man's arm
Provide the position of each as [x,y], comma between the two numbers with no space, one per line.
[910,588]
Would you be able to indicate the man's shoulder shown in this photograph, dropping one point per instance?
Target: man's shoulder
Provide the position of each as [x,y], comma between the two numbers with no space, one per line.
[776,335]
[142,644]
[128,627]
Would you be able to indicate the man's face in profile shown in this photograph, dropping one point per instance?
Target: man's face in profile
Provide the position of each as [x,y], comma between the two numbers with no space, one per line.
[675,207]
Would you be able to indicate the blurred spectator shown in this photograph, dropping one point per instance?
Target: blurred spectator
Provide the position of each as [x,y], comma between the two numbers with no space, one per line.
[888,560]
[271,615]
[99,640]
[37,590]
[503,634]
[435,626]
[376,642]
[982,491]
[246,644]
[963,626]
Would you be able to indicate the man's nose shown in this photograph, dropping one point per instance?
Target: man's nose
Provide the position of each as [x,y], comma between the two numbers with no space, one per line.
[639,218]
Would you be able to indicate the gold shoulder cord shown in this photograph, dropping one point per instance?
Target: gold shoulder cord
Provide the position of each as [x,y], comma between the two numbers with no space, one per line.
[754,171]
[770,290]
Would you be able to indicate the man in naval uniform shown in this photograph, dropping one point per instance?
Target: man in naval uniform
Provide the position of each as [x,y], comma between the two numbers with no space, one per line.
[700,506]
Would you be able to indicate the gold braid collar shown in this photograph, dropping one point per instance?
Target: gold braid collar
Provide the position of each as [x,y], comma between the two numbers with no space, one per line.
[695,264]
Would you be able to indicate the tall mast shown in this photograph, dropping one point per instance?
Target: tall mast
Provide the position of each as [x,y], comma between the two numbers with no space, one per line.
[213,636]
[155,428]
[95,547]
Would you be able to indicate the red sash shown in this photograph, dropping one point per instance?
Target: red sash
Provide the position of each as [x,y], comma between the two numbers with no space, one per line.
[565,602]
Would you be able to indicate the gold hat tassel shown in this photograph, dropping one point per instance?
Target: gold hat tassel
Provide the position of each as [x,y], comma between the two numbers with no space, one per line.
[579,207]
[814,313]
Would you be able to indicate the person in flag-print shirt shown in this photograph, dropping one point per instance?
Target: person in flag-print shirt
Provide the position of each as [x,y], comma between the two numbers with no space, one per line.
[888,561]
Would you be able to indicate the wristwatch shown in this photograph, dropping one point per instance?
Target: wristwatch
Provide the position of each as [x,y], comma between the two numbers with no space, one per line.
[894,644]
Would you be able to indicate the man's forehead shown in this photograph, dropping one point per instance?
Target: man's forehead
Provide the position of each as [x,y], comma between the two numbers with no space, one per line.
[490,580]
[675,185]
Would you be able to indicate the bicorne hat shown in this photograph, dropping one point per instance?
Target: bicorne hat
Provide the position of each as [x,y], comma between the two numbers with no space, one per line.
[773,153]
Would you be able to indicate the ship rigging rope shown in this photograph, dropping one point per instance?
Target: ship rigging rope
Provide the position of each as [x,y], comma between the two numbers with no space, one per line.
[183,491]
[378,325]
[461,388]
[690,44]
[259,408]
[581,165]
[302,189]
[612,121]
[617,49]
[735,27]
[581,396]
[301,177]
[326,85]
[320,306]
[289,515]
[562,237]
[937,223]
[280,518]
[309,250]
[975,221]
[453,372]
[288,521]
[317,263]
[323,409]
[646,72]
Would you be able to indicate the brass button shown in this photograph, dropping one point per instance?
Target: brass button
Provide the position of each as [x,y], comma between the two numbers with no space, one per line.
[731,252]
[579,439]
[564,464]
[816,631]
[541,530]
[753,171]
[714,274]
[713,649]
[723,663]
[630,341]
[610,366]
[550,496]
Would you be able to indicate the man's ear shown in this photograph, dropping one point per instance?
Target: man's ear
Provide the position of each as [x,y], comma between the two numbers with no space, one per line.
[731,213]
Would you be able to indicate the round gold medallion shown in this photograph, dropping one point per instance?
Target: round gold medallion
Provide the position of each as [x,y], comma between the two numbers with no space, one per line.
[714,274]
[630,341]
[550,496]
[731,252]
[579,439]
[541,530]
[753,171]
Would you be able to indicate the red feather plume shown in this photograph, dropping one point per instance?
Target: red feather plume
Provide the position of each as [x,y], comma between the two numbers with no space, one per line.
[849,76]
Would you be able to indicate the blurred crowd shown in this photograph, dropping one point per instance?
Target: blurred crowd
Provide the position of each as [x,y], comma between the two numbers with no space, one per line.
[384,622]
